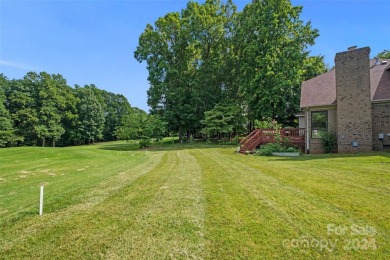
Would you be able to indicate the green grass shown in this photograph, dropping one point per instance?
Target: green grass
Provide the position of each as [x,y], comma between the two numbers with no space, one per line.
[191,201]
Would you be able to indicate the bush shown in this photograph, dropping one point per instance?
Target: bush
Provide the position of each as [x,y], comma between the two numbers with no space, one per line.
[292,150]
[329,141]
[268,149]
[143,143]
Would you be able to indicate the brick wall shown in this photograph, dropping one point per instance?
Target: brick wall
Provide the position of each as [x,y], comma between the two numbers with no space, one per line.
[381,124]
[354,112]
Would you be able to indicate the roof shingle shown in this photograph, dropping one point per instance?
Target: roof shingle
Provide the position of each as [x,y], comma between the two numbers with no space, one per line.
[321,90]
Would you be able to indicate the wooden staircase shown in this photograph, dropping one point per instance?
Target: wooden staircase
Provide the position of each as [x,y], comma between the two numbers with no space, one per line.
[296,137]
[250,142]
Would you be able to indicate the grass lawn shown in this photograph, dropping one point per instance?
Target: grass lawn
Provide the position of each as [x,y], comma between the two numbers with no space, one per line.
[192,201]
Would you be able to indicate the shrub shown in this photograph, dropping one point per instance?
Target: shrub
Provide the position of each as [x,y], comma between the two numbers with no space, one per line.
[268,149]
[329,141]
[143,143]
[292,150]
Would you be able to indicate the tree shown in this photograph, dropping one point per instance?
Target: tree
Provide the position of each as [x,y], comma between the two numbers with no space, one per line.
[225,118]
[42,107]
[6,129]
[50,103]
[272,42]
[384,54]
[90,116]
[312,67]
[21,102]
[184,53]
[138,125]
[114,107]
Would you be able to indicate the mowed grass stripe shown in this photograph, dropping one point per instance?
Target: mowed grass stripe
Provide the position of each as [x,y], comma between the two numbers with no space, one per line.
[171,224]
[347,191]
[108,201]
[158,215]
[21,232]
[296,212]
[69,175]
[237,223]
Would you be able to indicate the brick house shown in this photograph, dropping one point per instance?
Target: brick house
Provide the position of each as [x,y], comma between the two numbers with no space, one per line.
[352,100]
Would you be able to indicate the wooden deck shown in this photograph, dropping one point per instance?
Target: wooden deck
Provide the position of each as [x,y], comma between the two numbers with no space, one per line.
[296,137]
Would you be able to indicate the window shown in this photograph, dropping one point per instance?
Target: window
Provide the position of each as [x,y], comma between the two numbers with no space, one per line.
[319,123]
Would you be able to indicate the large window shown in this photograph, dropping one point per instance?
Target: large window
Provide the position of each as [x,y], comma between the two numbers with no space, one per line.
[319,123]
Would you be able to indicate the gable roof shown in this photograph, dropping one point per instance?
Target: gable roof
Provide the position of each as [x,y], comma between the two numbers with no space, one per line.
[321,90]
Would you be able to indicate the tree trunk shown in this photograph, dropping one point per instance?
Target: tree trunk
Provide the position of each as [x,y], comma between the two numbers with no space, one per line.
[180,134]
[54,143]
[43,142]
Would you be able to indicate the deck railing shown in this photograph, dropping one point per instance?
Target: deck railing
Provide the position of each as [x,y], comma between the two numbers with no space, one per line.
[296,136]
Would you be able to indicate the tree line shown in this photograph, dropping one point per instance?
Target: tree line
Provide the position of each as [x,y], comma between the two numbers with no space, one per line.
[215,70]
[41,109]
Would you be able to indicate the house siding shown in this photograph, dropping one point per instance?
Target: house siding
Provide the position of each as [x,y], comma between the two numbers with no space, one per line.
[381,124]
[353,92]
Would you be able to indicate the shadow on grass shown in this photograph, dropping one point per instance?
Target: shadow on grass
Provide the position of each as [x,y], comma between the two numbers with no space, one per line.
[310,157]
[120,147]
[19,216]
[163,147]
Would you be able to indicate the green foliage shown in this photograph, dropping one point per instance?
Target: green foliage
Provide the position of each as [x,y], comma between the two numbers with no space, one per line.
[186,54]
[272,41]
[138,125]
[42,107]
[90,115]
[223,119]
[208,53]
[6,129]
[264,124]
[50,103]
[329,141]
[384,54]
[115,107]
[280,145]
[312,67]
[143,143]
[268,149]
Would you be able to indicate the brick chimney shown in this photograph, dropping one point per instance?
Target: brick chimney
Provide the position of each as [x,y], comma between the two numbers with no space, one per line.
[354,112]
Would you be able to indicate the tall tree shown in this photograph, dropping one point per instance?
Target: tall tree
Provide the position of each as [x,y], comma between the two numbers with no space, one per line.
[21,103]
[184,53]
[312,67]
[50,103]
[90,116]
[273,44]
[40,108]
[114,107]
[6,129]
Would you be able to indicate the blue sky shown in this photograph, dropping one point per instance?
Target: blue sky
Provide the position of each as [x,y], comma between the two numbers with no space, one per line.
[93,41]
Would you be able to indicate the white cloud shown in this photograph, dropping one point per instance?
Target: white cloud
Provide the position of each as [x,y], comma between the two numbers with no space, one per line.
[15,65]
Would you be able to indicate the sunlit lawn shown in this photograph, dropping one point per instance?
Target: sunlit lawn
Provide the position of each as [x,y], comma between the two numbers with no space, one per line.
[192,201]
